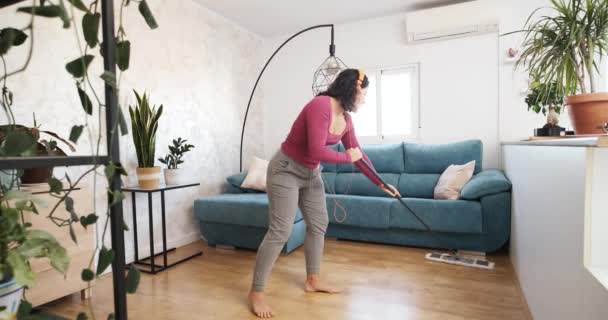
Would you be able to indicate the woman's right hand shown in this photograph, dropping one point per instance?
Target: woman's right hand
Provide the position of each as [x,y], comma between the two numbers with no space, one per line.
[355,154]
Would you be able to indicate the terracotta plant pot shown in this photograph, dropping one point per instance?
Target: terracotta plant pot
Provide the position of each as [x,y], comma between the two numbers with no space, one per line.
[40,175]
[588,112]
[149,178]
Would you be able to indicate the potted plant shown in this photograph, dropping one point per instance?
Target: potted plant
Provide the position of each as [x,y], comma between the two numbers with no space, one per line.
[566,48]
[551,106]
[43,147]
[174,175]
[19,243]
[144,124]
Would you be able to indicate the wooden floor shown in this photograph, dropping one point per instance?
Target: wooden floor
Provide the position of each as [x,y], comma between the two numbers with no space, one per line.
[380,282]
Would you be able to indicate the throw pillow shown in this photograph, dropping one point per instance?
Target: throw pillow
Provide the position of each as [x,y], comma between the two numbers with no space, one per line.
[452,180]
[256,175]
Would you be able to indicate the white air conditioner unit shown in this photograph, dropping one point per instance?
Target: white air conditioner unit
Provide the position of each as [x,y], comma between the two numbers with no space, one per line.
[453,21]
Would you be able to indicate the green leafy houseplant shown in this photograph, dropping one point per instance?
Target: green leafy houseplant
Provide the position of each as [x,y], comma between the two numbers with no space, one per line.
[173,174]
[565,48]
[176,152]
[19,242]
[552,99]
[144,124]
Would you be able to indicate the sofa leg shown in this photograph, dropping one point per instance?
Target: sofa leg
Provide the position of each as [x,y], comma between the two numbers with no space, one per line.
[472,253]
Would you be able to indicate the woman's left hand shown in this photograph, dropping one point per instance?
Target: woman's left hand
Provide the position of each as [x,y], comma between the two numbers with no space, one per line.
[392,191]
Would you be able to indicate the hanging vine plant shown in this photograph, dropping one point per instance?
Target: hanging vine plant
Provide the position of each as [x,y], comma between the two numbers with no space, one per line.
[19,242]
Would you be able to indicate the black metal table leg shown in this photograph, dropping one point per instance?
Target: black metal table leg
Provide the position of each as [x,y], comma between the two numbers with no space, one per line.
[135,226]
[162,205]
[149,260]
[151,233]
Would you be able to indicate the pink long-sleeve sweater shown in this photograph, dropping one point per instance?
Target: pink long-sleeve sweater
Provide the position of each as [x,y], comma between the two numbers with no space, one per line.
[309,137]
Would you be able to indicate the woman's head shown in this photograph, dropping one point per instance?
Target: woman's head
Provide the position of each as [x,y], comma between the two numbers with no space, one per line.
[349,87]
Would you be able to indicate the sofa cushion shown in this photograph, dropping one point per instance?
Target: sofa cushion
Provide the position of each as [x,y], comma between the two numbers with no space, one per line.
[359,211]
[236,180]
[359,184]
[245,209]
[329,180]
[419,185]
[458,216]
[386,158]
[435,158]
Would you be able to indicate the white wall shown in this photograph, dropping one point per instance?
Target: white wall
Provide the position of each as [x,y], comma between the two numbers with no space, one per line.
[197,64]
[467,89]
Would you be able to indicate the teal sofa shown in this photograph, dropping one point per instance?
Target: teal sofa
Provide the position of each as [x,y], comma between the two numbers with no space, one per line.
[480,221]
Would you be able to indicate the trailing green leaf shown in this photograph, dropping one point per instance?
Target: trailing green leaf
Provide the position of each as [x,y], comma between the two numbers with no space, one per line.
[88,220]
[76,132]
[122,123]
[79,5]
[78,67]
[87,275]
[115,197]
[59,257]
[55,185]
[64,15]
[133,277]
[72,234]
[123,54]
[10,37]
[106,256]
[86,103]
[145,11]
[50,11]
[90,28]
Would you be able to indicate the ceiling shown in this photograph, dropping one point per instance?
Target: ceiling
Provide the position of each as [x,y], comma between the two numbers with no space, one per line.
[270,18]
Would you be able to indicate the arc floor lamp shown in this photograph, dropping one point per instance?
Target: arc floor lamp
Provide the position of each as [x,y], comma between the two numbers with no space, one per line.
[323,76]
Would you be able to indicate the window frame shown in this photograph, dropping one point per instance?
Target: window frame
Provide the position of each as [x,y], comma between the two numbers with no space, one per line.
[379,138]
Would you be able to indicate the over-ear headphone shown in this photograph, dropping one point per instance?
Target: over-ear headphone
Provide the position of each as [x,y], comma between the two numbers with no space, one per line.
[360,79]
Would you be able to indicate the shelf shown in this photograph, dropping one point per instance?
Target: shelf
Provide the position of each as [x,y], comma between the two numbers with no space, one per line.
[47,162]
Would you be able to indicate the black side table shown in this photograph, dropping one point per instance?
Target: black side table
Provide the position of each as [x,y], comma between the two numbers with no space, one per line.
[155,268]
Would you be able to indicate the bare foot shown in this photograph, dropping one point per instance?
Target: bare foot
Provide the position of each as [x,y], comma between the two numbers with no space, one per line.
[259,307]
[314,284]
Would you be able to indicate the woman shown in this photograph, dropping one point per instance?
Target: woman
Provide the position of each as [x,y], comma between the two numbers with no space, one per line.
[294,179]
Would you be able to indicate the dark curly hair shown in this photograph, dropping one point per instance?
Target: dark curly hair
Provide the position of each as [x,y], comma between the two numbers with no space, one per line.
[344,88]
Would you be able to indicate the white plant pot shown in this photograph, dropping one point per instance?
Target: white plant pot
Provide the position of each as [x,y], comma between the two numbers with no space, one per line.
[10,298]
[174,176]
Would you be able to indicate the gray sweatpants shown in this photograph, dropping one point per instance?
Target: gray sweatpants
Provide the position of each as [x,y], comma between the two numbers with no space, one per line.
[291,185]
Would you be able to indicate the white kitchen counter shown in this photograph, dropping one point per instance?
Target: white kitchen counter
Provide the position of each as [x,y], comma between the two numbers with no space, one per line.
[559,226]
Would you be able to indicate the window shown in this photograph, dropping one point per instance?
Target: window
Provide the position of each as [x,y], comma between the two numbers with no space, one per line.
[390,112]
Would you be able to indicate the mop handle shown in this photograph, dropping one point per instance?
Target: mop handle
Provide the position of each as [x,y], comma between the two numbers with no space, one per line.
[386,185]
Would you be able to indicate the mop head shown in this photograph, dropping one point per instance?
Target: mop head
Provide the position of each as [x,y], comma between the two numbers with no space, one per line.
[460,260]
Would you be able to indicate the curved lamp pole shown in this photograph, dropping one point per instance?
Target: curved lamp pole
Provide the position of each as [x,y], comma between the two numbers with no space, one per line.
[323,76]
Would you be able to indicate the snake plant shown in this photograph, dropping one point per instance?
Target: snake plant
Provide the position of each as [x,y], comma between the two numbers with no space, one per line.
[144,123]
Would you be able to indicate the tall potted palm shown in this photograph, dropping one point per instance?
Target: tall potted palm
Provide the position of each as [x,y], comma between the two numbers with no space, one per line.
[144,124]
[566,48]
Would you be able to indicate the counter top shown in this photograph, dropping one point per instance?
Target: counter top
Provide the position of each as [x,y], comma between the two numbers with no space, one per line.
[593,142]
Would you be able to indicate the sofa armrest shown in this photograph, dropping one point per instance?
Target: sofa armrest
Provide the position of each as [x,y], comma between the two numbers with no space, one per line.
[485,183]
